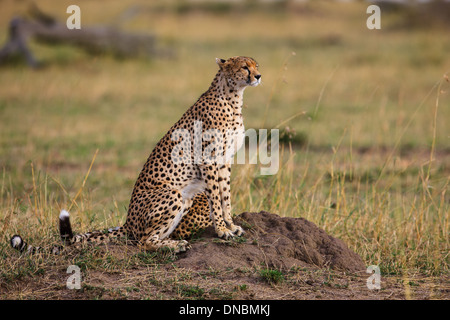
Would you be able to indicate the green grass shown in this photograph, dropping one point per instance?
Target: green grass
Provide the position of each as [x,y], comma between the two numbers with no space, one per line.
[368,113]
[271,276]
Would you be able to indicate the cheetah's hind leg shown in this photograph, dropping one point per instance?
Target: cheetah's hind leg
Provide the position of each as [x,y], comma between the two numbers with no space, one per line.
[154,243]
[165,211]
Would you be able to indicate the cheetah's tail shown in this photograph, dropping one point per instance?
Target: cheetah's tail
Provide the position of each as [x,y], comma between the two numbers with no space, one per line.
[19,244]
[67,236]
[64,226]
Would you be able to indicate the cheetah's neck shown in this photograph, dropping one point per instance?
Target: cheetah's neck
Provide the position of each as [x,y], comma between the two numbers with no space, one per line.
[231,95]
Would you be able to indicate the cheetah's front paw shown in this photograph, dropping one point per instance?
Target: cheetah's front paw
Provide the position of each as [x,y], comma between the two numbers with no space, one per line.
[228,234]
[225,233]
[237,230]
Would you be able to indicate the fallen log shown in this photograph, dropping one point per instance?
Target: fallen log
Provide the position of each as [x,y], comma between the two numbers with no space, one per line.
[94,40]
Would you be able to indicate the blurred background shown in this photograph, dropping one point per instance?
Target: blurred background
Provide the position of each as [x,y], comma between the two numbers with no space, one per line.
[363,113]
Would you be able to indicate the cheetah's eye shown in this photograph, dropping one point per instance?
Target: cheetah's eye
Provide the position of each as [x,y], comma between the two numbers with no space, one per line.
[246,68]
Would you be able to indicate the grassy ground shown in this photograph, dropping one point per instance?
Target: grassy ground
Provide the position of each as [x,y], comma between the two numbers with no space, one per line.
[367,158]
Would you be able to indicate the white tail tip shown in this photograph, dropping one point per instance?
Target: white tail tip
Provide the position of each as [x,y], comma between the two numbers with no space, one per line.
[16,242]
[63,214]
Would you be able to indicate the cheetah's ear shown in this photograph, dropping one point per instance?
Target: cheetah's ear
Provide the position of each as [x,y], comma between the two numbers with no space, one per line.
[220,62]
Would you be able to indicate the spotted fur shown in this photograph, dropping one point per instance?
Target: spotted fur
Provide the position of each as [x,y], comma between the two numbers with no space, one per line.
[172,200]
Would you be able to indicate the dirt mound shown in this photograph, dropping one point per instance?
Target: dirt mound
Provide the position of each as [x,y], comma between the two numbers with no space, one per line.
[274,242]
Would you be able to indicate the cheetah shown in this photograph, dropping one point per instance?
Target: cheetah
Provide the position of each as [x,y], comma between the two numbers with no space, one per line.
[172,200]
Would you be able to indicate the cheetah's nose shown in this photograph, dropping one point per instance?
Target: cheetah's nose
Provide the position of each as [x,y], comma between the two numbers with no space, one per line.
[258,76]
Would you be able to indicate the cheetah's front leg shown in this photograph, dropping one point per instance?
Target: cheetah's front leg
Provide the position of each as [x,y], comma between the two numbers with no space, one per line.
[211,176]
[224,180]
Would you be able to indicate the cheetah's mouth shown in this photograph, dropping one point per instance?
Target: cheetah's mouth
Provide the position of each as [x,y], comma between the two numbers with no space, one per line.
[254,83]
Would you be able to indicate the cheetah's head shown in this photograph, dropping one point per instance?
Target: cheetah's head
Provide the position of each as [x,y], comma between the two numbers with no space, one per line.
[240,72]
